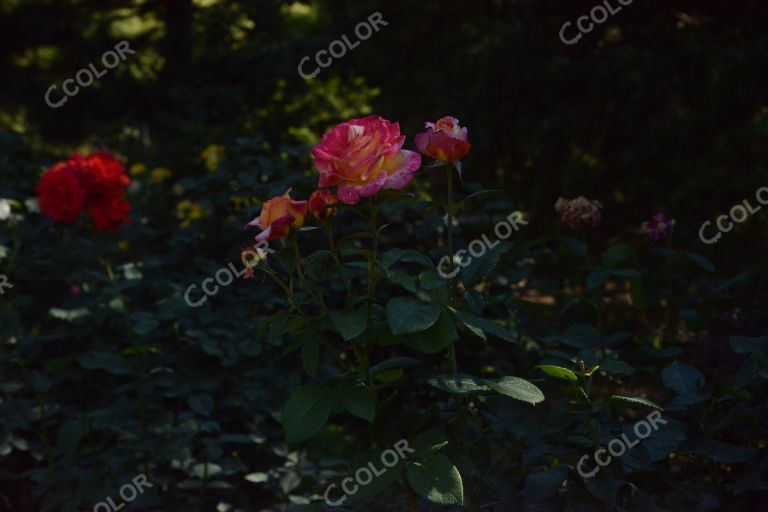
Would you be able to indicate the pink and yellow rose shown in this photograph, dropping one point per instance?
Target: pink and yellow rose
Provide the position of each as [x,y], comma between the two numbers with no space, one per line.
[279,216]
[362,157]
[445,140]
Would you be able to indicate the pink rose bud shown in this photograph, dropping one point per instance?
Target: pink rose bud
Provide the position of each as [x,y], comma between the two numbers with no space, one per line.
[445,140]
[362,157]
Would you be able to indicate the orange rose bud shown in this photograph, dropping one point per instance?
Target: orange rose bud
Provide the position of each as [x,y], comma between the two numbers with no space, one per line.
[279,216]
[319,203]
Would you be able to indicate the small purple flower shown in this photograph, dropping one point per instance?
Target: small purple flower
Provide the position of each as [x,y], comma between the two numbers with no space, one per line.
[658,228]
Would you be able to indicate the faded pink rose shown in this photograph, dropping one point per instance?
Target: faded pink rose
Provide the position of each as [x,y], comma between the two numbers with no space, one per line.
[364,156]
[445,141]
[279,216]
[579,213]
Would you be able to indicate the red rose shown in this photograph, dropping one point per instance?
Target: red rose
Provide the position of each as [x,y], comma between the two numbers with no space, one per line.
[109,216]
[60,195]
[102,176]
[94,183]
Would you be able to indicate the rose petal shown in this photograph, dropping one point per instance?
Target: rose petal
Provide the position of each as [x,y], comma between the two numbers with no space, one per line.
[351,194]
[404,165]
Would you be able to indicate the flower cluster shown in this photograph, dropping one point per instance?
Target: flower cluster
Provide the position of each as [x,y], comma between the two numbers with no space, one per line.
[658,228]
[361,157]
[579,213]
[94,184]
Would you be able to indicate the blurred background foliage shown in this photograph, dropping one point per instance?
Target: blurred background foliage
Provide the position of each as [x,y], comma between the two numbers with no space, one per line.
[661,108]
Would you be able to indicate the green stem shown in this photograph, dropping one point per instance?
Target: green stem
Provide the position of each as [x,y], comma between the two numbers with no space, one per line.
[43,434]
[307,320]
[363,353]
[449,209]
[363,356]
[204,487]
[373,255]
[299,262]
[332,244]
[140,369]
[336,356]
[336,257]
[449,229]
[583,391]
[288,292]
[586,248]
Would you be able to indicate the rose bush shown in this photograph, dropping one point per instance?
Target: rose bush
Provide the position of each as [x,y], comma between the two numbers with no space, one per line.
[365,345]
[108,373]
